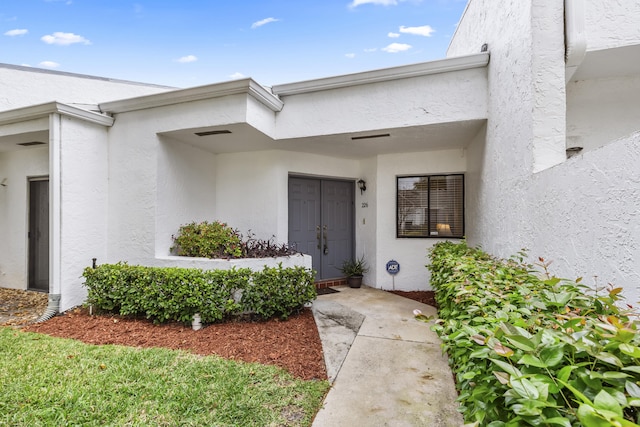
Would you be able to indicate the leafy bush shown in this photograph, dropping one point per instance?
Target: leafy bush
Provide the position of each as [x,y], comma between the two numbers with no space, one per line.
[218,240]
[207,240]
[176,294]
[534,351]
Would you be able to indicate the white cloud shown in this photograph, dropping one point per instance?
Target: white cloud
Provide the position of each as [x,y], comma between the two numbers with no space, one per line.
[16,32]
[187,59]
[373,49]
[236,76]
[397,47]
[263,22]
[64,39]
[49,64]
[425,30]
[356,3]
[393,35]
[350,55]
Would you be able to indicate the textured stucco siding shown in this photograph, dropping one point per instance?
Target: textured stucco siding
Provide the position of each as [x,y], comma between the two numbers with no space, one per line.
[255,264]
[611,23]
[587,213]
[253,187]
[438,98]
[17,167]
[500,163]
[186,184]
[21,87]
[410,253]
[83,206]
[139,161]
[581,213]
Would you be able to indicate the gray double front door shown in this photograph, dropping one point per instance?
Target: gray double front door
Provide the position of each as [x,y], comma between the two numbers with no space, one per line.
[321,222]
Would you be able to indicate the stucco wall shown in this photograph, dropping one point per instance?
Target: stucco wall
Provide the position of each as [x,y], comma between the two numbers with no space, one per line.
[186,186]
[255,264]
[410,253]
[17,167]
[252,187]
[438,98]
[83,205]
[22,86]
[506,161]
[582,214]
[611,23]
[602,110]
[366,212]
[588,216]
[136,153]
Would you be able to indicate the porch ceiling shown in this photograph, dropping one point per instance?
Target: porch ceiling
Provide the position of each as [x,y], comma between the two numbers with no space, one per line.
[244,137]
[10,142]
[607,63]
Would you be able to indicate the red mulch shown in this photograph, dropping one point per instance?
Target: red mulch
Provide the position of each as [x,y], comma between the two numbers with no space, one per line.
[425,297]
[293,344]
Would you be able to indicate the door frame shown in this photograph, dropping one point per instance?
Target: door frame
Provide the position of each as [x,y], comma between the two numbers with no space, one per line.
[29,249]
[352,220]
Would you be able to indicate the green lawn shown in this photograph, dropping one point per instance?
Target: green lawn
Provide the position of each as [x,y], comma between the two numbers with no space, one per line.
[46,381]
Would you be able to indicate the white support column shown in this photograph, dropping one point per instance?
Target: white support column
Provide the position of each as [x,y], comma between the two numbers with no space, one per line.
[55,204]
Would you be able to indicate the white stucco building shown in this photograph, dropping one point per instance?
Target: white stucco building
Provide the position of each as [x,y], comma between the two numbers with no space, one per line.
[484,143]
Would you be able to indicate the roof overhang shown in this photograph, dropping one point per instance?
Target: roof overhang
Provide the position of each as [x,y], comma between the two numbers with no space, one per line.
[617,62]
[43,110]
[244,86]
[386,74]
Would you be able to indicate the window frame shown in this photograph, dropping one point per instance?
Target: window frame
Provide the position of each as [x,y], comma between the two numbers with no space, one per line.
[428,207]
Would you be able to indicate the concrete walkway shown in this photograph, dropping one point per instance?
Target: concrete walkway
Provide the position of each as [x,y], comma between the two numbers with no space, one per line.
[386,368]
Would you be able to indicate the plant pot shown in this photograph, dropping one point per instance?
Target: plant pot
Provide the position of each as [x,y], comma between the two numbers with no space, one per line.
[354,281]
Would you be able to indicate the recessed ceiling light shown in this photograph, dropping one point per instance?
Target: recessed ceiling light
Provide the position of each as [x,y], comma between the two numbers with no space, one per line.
[213,132]
[28,144]
[380,135]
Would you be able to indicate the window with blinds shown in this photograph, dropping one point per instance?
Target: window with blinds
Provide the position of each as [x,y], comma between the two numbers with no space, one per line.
[430,206]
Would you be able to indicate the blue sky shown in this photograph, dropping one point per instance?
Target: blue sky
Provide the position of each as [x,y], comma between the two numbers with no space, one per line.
[187,43]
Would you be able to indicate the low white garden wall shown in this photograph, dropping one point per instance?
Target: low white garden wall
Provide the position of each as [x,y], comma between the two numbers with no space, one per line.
[255,264]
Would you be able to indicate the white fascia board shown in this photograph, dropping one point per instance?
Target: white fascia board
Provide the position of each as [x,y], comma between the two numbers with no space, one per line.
[235,87]
[42,110]
[386,74]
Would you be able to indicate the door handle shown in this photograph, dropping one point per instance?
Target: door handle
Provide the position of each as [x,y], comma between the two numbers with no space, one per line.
[318,238]
[326,245]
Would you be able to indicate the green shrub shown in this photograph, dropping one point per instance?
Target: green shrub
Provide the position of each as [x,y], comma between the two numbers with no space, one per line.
[536,351]
[218,240]
[176,294]
[207,240]
[279,291]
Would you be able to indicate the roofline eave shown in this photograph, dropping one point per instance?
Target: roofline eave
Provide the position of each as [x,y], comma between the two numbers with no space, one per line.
[33,112]
[235,87]
[458,63]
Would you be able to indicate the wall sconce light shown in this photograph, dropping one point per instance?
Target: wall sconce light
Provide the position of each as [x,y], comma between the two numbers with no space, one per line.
[362,186]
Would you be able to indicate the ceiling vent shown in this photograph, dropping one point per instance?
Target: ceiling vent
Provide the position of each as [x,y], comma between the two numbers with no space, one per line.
[380,135]
[29,144]
[213,132]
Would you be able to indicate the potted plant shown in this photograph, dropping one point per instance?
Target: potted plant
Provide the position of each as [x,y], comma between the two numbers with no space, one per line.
[354,269]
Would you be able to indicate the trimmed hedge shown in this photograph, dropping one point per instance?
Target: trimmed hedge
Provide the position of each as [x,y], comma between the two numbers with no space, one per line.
[176,294]
[534,351]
